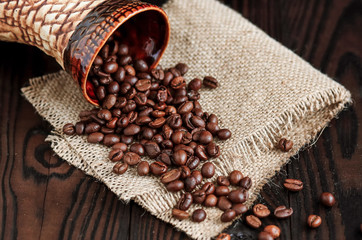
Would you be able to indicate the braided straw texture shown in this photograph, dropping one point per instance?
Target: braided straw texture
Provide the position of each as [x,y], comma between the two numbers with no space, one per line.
[46,24]
[266,92]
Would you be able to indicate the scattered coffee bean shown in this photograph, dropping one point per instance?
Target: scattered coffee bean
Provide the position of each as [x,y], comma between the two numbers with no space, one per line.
[245,183]
[170,176]
[283,212]
[69,129]
[199,196]
[223,181]
[228,215]
[239,208]
[253,221]
[265,236]
[293,185]
[211,200]
[223,134]
[223,203]
[327,199]
[179,214]
[197,175]
[208,170]
[143,168]
[222,191]
[198,215]
[158,168]
[314,221]
[235,177]
[209,188]
[115,155]
[238,196]
[261,211]
[175,186]
[95,137]
[120,146]
[120,168]
[223,236]
[210,82]
[184,202]
[285,145]
[273,230]
[137,148]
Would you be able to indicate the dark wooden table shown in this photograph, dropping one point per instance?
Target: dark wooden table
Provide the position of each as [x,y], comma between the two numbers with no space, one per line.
[42,197]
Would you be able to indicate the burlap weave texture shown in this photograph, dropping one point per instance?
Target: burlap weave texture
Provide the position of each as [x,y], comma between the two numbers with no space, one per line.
[266,92]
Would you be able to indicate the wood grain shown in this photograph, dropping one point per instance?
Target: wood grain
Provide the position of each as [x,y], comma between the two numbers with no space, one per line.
[42,197]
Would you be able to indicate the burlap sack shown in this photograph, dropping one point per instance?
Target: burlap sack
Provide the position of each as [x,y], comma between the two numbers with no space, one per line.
[266,92]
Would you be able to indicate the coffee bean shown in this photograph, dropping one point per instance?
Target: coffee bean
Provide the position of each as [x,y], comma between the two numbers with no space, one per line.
[283,212]
[126,139]
[293,185]
[98,60]
[239,208]
[137,148]
[208,170]
[223,134]
[179,214]
[210,82]
[143,85]
[170,176]
[113,87]
[253,221]
[197,175]
[120,74]
[158,168]
[223,203]
[211,200]
[186,107]
[79,128]
[158,74]
[120,168]
[209,188]
[152,149]
[198,215]
[238,196]
[120,146]
[273,230]
[182,67]
[141,65]
[213,128]
[163,157]
[261,211]
[314,221]
[69,129]
[179,157]
[111,139]
[175,186]
[184,202]
[245,183]
[112,123]
[110,67]
[223,236]
[213,150]
[122,49]
[205,137]
[192,162]
[327,199]
[235,177]
[157,123]
[109,101]
[97,120]
[265,236]
[199,196]
[115,155]
[143,168]
[228,215]
[222,191]
[200,152]
[185,172]
[195,84]
[177,82]
[223,181]
[95,137]
[170,110]
[124,60]
[131,158]
[190,183]
[285,145]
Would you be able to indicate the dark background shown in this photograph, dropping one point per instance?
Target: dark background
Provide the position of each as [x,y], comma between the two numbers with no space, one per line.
[42,197]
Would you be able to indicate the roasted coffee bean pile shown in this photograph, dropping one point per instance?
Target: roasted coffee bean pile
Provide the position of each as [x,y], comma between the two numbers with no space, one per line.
[260,211]
[154,113]
[228,194]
